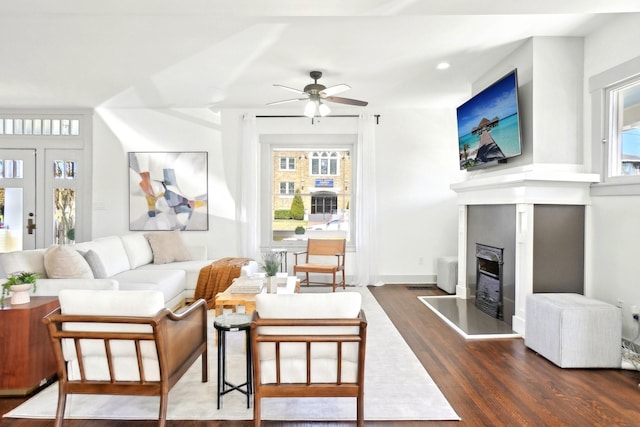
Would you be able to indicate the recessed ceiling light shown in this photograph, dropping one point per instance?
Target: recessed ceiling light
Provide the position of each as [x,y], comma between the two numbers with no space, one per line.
[443,66]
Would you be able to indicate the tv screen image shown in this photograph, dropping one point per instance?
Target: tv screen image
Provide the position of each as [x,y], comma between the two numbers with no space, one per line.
[489,126]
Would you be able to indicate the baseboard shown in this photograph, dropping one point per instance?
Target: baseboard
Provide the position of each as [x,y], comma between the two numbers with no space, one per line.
[387,280]
[409,279]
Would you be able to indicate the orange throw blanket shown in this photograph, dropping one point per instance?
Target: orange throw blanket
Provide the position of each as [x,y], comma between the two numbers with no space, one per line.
[217,277]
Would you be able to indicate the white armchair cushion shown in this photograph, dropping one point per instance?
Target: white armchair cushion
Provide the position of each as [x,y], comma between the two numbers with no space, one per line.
[342,305]
[111,303]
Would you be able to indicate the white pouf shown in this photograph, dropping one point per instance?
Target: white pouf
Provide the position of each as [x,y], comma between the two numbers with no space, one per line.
[448,274]
[574,331]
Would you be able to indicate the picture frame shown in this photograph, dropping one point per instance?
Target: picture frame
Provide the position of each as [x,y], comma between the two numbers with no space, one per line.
[168,191]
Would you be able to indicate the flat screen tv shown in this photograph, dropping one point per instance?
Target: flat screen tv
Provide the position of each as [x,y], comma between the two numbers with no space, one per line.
[489,126]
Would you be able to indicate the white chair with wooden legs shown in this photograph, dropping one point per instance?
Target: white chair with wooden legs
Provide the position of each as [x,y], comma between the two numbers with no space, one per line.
[124,343]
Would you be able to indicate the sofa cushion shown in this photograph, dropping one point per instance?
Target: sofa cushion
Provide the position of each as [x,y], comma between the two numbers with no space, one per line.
[170,282]
[138,249]
[63,262]
[30,260]
[167,246]
[95,263]
[111,252]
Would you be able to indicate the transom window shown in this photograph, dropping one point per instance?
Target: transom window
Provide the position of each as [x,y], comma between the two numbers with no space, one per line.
[37,127]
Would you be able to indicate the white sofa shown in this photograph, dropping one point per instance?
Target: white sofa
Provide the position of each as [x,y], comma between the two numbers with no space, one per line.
[116,262]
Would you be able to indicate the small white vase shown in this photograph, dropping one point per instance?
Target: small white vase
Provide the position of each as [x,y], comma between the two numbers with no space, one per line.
[20,293]
[273,285]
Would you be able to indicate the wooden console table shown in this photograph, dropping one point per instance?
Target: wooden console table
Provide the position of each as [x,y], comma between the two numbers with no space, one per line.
[26,360]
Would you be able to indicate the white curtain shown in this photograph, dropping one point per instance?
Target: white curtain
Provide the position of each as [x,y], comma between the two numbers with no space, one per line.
[247,208]
[366,209]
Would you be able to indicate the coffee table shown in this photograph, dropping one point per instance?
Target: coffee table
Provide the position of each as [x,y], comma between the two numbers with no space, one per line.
[248,301]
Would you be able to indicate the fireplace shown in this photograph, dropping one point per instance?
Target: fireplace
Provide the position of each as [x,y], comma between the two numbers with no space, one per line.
[489,261]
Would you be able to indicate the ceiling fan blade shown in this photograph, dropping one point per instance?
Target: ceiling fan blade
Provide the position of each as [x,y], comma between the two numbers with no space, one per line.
[334,90]
[286,101]
[298,91]
[349,101]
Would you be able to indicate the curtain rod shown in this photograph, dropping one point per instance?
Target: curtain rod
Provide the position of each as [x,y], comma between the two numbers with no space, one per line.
[377,116]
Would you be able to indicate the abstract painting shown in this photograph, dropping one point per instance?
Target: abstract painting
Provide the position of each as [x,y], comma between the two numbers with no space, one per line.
[168,191]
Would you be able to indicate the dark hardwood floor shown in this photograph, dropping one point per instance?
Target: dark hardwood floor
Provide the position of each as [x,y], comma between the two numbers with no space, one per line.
[488,382]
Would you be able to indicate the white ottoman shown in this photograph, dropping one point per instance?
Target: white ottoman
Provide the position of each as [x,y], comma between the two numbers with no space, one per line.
[574,331]
[448,274]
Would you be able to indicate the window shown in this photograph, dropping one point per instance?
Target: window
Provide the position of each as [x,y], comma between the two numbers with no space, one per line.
[37,127]
[287,188]
[308,187]
[287,163]
[624,128]
[324,163]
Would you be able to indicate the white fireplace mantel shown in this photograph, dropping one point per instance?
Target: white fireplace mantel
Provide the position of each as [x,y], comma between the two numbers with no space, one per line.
[523,188]
[527,186]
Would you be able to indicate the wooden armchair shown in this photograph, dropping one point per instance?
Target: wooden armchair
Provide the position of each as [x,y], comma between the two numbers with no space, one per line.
[308,345]
[318,259]
[124,343]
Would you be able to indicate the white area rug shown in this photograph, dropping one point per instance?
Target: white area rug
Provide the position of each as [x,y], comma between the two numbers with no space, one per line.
[397,387]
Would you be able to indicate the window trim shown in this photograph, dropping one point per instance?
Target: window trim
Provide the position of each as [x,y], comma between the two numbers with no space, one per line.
[269,142]
[599,88]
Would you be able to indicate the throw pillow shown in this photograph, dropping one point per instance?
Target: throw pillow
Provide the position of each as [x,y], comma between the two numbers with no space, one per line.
[95,263]
[62,262]
[167,246]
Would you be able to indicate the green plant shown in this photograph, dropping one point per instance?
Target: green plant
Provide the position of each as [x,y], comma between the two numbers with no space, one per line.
[18,278]
[297,207]
[299,230]
[271,263]
[282,214]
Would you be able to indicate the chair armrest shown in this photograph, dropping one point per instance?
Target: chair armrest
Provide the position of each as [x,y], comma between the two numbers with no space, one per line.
[186,336]
[295,254]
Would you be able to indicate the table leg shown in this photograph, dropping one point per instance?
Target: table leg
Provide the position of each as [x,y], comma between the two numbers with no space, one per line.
[221,365]
[249,369]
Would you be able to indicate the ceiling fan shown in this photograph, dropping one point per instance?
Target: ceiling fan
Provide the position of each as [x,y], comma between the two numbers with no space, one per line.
[315,93]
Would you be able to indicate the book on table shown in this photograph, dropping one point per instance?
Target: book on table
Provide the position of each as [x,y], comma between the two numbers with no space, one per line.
[246,285]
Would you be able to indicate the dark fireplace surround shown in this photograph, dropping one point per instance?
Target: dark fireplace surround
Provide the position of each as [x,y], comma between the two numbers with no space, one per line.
[489,280]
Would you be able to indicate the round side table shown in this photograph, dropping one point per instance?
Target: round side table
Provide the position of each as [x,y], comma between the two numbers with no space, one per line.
[233,322]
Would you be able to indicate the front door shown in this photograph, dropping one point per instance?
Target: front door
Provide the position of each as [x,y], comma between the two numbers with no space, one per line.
[17,199]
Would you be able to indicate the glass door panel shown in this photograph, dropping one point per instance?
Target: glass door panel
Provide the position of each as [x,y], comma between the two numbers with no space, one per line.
[63,197]
[17,200]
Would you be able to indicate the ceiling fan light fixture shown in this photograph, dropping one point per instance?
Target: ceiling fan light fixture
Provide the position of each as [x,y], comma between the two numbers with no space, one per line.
[310,109]
[324,109]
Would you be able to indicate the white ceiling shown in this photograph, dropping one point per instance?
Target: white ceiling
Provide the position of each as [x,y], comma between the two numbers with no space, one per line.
[229,53]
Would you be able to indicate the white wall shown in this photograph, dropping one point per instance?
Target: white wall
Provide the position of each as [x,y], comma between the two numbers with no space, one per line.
[417,161]
[117,132]
[417,155]
[614,226]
